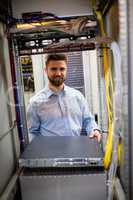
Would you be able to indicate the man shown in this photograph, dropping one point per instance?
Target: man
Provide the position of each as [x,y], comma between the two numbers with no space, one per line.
[59,109]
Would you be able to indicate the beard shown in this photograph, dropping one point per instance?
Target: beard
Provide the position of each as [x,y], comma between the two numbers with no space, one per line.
[57,81]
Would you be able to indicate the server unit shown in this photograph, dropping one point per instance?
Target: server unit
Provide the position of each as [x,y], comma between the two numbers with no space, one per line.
[62,168]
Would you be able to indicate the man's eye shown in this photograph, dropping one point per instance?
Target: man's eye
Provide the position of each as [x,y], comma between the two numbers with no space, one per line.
[62,69]
[56,69]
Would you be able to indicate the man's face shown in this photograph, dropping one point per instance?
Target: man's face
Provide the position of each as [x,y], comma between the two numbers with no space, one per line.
[56,72]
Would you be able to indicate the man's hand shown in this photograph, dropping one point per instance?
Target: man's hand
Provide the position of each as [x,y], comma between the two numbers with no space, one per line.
[96,134]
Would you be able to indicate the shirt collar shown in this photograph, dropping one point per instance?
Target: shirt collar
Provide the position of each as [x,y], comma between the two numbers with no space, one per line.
[49,92]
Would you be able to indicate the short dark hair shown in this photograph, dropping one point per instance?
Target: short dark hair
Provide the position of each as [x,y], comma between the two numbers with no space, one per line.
[56,57]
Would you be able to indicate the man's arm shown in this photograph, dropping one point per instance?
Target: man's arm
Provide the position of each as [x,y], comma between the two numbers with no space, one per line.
[33,121]
[89,123]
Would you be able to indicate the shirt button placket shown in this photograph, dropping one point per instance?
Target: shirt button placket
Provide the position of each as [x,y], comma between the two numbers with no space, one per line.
[64,111]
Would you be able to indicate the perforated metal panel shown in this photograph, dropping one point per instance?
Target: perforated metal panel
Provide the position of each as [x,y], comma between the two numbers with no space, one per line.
[124,169]
[66,187]
[75,75]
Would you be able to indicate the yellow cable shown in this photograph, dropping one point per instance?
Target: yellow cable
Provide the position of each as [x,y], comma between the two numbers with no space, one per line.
[101,25]
[106,65]
[109,143]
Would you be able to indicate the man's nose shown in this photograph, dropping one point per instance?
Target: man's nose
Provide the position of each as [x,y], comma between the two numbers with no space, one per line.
[58,72]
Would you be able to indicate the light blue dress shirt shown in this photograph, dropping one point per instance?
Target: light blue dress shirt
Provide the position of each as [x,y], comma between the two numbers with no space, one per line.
[62,114]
